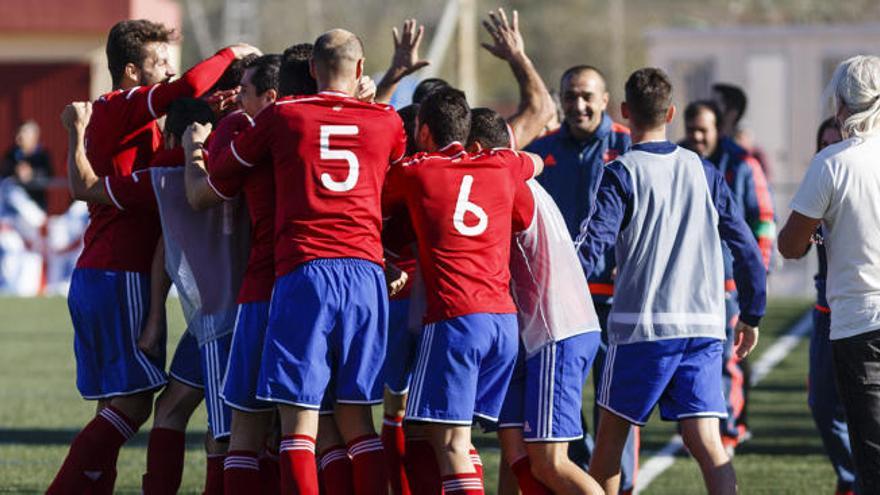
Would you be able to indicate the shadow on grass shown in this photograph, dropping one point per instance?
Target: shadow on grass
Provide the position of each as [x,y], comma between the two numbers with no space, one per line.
[63,436]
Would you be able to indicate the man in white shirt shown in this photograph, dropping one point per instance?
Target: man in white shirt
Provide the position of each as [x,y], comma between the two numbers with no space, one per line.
[841,190]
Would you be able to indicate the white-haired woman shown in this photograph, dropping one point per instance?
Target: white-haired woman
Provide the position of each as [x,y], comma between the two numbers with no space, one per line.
[842,192]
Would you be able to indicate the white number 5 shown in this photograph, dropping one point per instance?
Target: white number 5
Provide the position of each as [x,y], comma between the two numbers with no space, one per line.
[464,205]
[347,155]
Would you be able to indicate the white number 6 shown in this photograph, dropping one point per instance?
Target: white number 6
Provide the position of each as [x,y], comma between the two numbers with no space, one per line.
[463,205]
[347,155]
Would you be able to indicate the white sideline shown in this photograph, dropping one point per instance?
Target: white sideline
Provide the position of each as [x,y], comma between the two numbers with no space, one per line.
[663,459]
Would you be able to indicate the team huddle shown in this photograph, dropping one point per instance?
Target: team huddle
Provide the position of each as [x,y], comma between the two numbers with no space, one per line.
[332,253]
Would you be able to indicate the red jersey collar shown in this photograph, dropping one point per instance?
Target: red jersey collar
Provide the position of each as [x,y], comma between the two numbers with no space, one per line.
[339,94]
[453,150]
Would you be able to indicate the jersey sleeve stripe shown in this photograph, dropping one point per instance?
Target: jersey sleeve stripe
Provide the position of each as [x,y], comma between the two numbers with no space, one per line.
[217,191]
[131,92]
[110,193]
[239,158]
[150,101]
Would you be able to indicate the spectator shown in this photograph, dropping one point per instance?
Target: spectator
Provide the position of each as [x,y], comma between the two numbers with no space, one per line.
[28,162]
[842,191]
[822,396]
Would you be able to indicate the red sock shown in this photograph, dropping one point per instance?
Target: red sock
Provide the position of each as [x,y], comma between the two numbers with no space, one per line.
[270,473]
[335,471]
[462,484]
[422,470]
[299,473]
[528,484]
[477,462]
[394,443]
[93,453]
[368,465]
[214,477]
[241,472]
[164,462]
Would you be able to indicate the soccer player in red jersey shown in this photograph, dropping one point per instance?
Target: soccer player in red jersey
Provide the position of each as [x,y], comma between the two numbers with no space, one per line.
[326,334]
[251,418]
[461,208]
[199,362]
[113,268]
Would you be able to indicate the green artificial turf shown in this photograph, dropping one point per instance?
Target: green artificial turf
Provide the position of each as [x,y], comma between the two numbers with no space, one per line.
[41,411]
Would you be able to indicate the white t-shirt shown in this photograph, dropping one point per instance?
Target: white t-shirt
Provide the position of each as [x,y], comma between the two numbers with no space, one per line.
[548,282]
[842,188]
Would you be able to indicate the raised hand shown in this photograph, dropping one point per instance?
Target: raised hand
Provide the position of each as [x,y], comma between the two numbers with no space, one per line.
[406,49]
[222,100]
[76,115]
[507,41]
[242,50]
[194,136]
[366,90]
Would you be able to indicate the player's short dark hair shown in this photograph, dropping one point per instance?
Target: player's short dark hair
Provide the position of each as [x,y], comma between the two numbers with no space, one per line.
[733,98]
[231,77]
[408,115]
[426,86]
[125,44]
[265,72]
[648,97]
[446,113]
[488,128]
[299,51]
[694,108]
[183,112]
[829,123]
[295,78]
[580,69]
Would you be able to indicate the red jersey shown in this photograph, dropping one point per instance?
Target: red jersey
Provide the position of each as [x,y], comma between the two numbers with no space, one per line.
[330,154]
[461,208]
[258,187]
[121,138]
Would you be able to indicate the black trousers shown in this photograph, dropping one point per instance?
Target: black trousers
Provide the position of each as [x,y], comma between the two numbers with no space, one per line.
[857,371]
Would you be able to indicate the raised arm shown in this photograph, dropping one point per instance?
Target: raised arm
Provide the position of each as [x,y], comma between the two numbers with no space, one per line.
[84,184]
[405,60]
[536,106]
[193,83]
[199,193]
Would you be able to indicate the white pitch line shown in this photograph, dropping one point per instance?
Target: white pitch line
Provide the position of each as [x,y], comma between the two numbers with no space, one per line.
[663,460]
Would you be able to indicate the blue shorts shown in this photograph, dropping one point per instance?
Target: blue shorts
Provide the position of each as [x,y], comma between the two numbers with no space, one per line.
[186,365]
[245,356]
[463,369]
[546,401]
[328,319]
[215,355]
[108,310]
[402,347]
[682,375]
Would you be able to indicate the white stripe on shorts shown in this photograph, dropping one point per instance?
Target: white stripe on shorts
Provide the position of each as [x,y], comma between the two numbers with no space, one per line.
[421,368]
[133,294]
[608,373]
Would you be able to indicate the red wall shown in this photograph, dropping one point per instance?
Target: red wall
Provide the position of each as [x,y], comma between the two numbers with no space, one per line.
[39,91]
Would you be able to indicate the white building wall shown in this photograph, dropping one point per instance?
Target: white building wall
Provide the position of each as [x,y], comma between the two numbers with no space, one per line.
[783,70]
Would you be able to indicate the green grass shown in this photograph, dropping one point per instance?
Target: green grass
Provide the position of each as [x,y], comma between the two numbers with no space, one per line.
[40,412]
